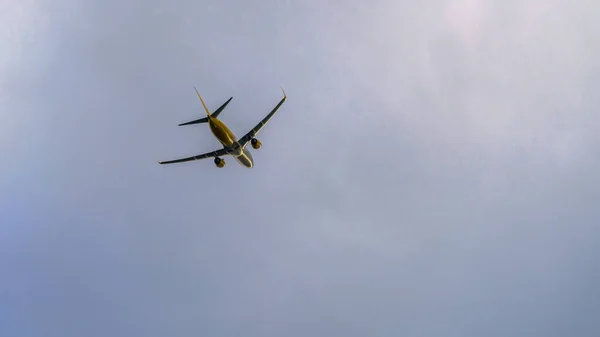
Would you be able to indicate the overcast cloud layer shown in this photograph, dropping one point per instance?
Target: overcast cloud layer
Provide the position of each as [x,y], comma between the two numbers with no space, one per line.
[434,171]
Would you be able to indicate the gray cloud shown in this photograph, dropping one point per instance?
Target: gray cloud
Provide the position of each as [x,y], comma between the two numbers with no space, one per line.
[433,172]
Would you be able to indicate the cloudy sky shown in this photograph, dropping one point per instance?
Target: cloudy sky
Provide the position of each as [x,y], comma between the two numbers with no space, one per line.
[434,171]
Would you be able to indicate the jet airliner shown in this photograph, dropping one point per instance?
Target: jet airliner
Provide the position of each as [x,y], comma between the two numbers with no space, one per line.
[231,145]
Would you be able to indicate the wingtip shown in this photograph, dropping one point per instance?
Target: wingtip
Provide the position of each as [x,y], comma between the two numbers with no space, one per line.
[284,95]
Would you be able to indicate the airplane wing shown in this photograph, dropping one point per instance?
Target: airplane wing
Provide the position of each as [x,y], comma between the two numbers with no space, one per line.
[252,133]
[217,153]
[214,114]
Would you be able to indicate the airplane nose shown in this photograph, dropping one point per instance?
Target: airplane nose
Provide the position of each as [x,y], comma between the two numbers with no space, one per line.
[250,159]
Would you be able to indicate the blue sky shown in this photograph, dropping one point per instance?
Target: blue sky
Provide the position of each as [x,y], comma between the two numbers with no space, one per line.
[434,171]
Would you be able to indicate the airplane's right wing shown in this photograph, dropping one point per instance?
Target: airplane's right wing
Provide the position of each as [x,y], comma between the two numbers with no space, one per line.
[217,153]
[252,133]
[214,114]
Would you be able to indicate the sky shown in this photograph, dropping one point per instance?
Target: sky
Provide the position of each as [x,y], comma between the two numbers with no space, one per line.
[433,172]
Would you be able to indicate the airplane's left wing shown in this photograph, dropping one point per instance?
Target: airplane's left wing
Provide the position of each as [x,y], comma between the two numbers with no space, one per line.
[252,133]
[217,153]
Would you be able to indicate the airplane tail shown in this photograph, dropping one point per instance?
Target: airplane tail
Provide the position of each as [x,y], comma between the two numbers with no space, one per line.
[203,104]
[197,121]
[208,114]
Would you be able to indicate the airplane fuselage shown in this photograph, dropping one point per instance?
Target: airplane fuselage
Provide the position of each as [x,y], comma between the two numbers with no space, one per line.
[227,138]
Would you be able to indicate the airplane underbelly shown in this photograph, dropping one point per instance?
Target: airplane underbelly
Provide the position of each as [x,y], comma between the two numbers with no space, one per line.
[224,136]
[245,159]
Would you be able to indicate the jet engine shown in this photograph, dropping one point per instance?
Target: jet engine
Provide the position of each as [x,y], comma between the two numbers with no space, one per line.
[219,162]
[256,144]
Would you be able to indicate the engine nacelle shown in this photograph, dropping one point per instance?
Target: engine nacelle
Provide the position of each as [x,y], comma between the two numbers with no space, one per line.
[256,144]
[219,162]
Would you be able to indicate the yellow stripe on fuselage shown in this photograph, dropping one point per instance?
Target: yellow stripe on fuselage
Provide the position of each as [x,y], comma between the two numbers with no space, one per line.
[218,128]
[221,131]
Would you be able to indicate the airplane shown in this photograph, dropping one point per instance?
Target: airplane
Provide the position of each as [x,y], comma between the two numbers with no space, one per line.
[231,146]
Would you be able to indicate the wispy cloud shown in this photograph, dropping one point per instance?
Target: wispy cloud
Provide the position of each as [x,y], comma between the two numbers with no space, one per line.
[433,172]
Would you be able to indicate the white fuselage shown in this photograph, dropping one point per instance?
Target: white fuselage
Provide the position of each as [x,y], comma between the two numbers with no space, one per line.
[228,139]
[245,158]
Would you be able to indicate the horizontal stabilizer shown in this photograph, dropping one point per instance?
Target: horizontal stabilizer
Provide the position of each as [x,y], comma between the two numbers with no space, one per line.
[214,114]
[197,121]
